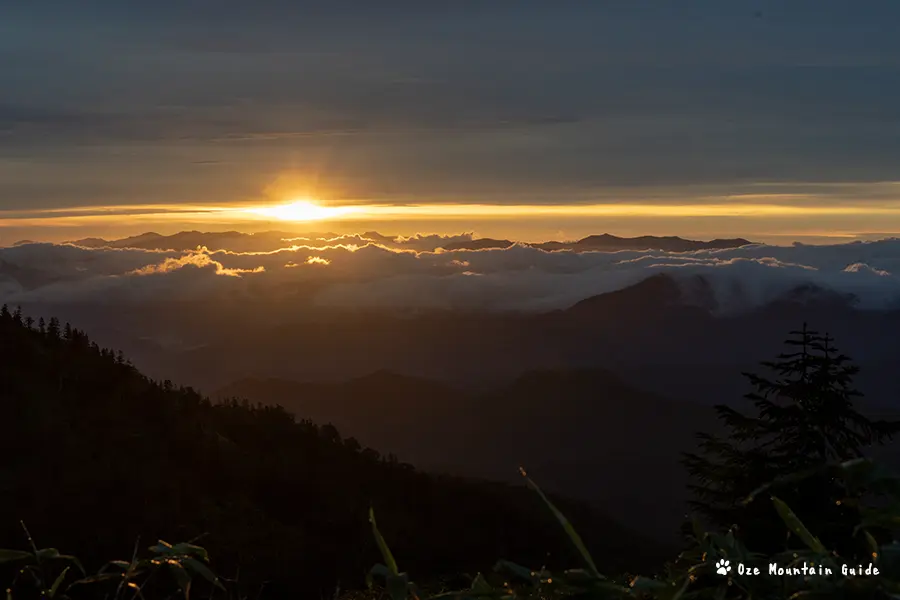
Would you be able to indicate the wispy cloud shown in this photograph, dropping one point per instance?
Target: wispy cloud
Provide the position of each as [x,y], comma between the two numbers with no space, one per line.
[429,101]
[413,273]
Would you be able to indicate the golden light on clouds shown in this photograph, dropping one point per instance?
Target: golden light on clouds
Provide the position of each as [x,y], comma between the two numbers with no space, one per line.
[622,210]
[302,210]
[295,208]
[306,210]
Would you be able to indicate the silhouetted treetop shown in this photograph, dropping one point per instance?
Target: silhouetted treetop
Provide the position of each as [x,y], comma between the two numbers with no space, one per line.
[804,417]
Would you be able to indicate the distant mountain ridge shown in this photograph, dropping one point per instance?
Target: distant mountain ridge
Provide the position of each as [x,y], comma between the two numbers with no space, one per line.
[556,422]
[191,240]
[661,323]
[653,296]
[608,242]
[273,240]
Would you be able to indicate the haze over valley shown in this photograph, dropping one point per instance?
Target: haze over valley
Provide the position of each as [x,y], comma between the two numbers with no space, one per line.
[430,347]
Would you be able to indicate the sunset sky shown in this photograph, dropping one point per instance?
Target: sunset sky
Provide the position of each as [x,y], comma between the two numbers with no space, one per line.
[771,120]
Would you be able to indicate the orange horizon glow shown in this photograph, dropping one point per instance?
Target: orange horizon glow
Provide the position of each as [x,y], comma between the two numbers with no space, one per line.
[757,216]
[303,210]
[308,210]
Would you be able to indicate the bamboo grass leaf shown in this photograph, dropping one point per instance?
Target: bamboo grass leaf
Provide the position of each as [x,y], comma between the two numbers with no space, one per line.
[383,546]
[570,531]
[796,526]
[13,555]
[59,579]
[182,577]
[204,571]
[516,570]
[191,550]
[47,554]
[74,560]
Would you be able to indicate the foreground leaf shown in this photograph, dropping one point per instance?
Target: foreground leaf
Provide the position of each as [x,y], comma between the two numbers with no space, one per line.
[382,545]
[182,577]
[796,526]
[573,535]
[204,571]
[74,560]
[13,555]
[47,554]
[55,587]
[161,548]
[191,550]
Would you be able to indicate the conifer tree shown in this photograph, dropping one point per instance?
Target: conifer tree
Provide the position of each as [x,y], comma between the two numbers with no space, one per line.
[4,312]
[42,326]
[53,328]
[804,417]
[17,315]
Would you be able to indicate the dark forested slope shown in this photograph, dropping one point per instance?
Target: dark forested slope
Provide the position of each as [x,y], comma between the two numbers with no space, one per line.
[583,433]
[93,456]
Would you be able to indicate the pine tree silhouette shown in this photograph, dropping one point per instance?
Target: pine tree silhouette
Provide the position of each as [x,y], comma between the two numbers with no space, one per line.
[805,417]
[53,331]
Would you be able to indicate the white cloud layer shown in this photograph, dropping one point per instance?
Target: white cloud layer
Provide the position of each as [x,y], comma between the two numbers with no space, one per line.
[418,274]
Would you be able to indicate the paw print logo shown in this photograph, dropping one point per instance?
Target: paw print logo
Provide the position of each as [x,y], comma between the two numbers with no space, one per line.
[722,567]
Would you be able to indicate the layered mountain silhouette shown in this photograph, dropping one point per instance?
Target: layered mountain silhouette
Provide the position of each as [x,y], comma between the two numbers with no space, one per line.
[583,432]
[609,243]
[191,240]
[273,240]
[661,334]
[648,299]
[573,395]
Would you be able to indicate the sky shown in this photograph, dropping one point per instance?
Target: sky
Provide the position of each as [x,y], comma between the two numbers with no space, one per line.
[783,118]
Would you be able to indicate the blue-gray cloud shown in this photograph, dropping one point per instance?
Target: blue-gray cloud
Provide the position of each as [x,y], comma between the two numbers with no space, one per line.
[412,273]
[450,97]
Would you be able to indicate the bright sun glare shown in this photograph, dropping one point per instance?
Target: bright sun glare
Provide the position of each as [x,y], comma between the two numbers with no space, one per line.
[302,210]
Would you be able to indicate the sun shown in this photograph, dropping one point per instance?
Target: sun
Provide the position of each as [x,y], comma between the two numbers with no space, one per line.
[302,210]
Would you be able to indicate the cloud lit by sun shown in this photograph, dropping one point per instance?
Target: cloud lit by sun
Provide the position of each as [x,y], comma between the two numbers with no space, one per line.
[301,210]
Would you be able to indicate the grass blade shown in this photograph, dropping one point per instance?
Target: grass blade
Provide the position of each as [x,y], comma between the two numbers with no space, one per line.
[796,526]
[382,545]
[570,531]
[74,560]
[31,543]
[58,582]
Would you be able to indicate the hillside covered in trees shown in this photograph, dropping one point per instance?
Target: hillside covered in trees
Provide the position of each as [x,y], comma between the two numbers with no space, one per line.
[561,424]
[95,457]
[99,460]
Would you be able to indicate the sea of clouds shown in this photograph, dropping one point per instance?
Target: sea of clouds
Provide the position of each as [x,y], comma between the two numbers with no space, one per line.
[417,273]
